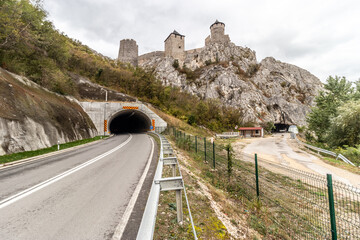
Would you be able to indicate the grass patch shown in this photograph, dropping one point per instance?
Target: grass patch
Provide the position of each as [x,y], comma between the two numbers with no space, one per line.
[22,155]
[293,206]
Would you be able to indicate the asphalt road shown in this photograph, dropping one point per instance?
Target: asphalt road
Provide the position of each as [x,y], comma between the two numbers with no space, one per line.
[80,194]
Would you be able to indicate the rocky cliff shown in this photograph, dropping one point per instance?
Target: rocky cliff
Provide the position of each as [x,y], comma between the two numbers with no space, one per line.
[263,92]
[32,117]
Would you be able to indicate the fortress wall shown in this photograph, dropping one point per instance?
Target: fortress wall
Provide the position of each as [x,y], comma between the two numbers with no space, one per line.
[142,58]
[195,50]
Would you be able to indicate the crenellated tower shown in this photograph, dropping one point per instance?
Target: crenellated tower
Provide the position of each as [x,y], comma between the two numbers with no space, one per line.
[128,51]
[217,34]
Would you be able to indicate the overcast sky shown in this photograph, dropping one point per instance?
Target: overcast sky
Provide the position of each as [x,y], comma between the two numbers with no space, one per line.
[320,36]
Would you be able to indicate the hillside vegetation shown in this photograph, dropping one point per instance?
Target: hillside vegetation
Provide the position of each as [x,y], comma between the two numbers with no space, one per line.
[31,46]
[334,121]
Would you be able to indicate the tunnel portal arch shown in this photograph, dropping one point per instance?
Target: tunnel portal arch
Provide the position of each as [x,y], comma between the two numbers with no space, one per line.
[129,121]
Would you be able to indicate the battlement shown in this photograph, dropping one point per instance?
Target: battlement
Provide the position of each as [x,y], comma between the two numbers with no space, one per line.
[148,56]
[217,34]
[174,46]
[128,51]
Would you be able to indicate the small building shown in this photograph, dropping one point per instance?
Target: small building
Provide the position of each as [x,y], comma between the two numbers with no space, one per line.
[251,132]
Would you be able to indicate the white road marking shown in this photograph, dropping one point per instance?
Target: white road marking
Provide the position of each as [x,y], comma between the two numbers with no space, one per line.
[125,218]
[37,187]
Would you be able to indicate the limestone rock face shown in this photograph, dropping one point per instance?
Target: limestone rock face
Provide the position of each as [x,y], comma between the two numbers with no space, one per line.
[32,117]
[263,92]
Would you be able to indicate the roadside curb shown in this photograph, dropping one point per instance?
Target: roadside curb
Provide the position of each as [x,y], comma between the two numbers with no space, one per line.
[26,160]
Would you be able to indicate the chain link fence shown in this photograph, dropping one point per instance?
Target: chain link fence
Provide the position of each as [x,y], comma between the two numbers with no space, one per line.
[302,204]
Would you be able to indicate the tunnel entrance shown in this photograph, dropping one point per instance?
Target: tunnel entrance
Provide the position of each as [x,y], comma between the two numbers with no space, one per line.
[129,121]
[280,127]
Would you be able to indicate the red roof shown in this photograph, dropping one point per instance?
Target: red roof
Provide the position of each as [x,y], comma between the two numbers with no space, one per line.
[250,128]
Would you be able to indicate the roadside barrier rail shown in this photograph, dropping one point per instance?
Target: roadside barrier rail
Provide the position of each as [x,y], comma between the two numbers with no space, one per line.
[320,150]
[167,157]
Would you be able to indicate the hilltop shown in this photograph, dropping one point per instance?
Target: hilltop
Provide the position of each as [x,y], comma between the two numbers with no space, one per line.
[266,91]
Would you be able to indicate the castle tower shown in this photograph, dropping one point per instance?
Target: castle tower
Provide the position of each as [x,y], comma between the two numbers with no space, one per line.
[174,46]
[217,34]
[128,51]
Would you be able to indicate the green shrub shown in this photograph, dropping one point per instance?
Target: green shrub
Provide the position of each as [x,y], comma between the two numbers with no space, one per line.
[175,64]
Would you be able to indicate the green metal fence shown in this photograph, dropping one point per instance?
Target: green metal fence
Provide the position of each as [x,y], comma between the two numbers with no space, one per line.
[302,204]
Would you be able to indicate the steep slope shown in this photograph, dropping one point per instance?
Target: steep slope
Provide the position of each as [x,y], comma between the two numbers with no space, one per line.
[32,117]
[264,92]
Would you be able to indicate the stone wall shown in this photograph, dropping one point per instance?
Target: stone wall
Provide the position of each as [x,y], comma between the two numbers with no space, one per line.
[174,47]
[128,51]
[147,56]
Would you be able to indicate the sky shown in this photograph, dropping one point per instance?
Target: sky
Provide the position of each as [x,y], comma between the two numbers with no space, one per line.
[321,36]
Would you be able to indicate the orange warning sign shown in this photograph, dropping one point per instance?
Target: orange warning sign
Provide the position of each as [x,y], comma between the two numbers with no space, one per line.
[105,125]
[131,108]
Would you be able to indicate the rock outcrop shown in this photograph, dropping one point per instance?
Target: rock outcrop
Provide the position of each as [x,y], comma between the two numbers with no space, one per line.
[32,117]
[263,92]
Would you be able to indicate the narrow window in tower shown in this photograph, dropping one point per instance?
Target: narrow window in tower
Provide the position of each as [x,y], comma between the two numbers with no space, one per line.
[179,46]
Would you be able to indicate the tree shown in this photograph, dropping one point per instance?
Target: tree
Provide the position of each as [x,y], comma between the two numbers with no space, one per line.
[337,91]
[344,128]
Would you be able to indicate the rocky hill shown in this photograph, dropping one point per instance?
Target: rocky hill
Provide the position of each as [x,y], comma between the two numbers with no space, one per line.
[32,117]
[264,92]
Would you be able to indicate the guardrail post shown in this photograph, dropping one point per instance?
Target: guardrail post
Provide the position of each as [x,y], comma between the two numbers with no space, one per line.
[179,209]
[257,177]
[174,170]
[205,147]
[331,207]
[196,144]
[214,154]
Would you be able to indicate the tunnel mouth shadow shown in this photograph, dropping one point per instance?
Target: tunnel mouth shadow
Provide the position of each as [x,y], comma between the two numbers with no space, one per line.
[129,121]
[280,127]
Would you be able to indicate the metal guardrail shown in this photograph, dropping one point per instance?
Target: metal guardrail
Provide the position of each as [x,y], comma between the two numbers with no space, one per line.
[320,150]
[167,157]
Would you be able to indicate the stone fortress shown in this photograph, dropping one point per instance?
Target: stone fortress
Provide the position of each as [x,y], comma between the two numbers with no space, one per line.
[263,91]
[174,46]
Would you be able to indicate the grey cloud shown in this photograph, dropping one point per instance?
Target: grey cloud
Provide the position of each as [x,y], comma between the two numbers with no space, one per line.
[292,31]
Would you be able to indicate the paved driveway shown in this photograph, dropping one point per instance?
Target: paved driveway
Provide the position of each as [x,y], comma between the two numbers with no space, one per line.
[280,149]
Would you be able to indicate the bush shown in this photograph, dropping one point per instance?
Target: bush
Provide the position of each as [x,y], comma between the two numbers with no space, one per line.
[351,153]
[252,69]
[175,64]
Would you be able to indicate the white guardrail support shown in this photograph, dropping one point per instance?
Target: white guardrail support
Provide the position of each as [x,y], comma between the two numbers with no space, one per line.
[175,183]
[320,150]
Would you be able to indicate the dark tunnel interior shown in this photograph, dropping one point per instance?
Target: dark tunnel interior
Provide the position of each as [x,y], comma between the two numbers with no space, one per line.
[129,121]
[280,127]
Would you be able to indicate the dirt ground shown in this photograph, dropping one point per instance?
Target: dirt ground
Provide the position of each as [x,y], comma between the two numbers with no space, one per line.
[280,149]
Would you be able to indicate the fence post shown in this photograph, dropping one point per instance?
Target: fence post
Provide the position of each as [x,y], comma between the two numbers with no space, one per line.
[257,177]
[229,161]
[196,144]
[214,154]
[331,207]
[205,147]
